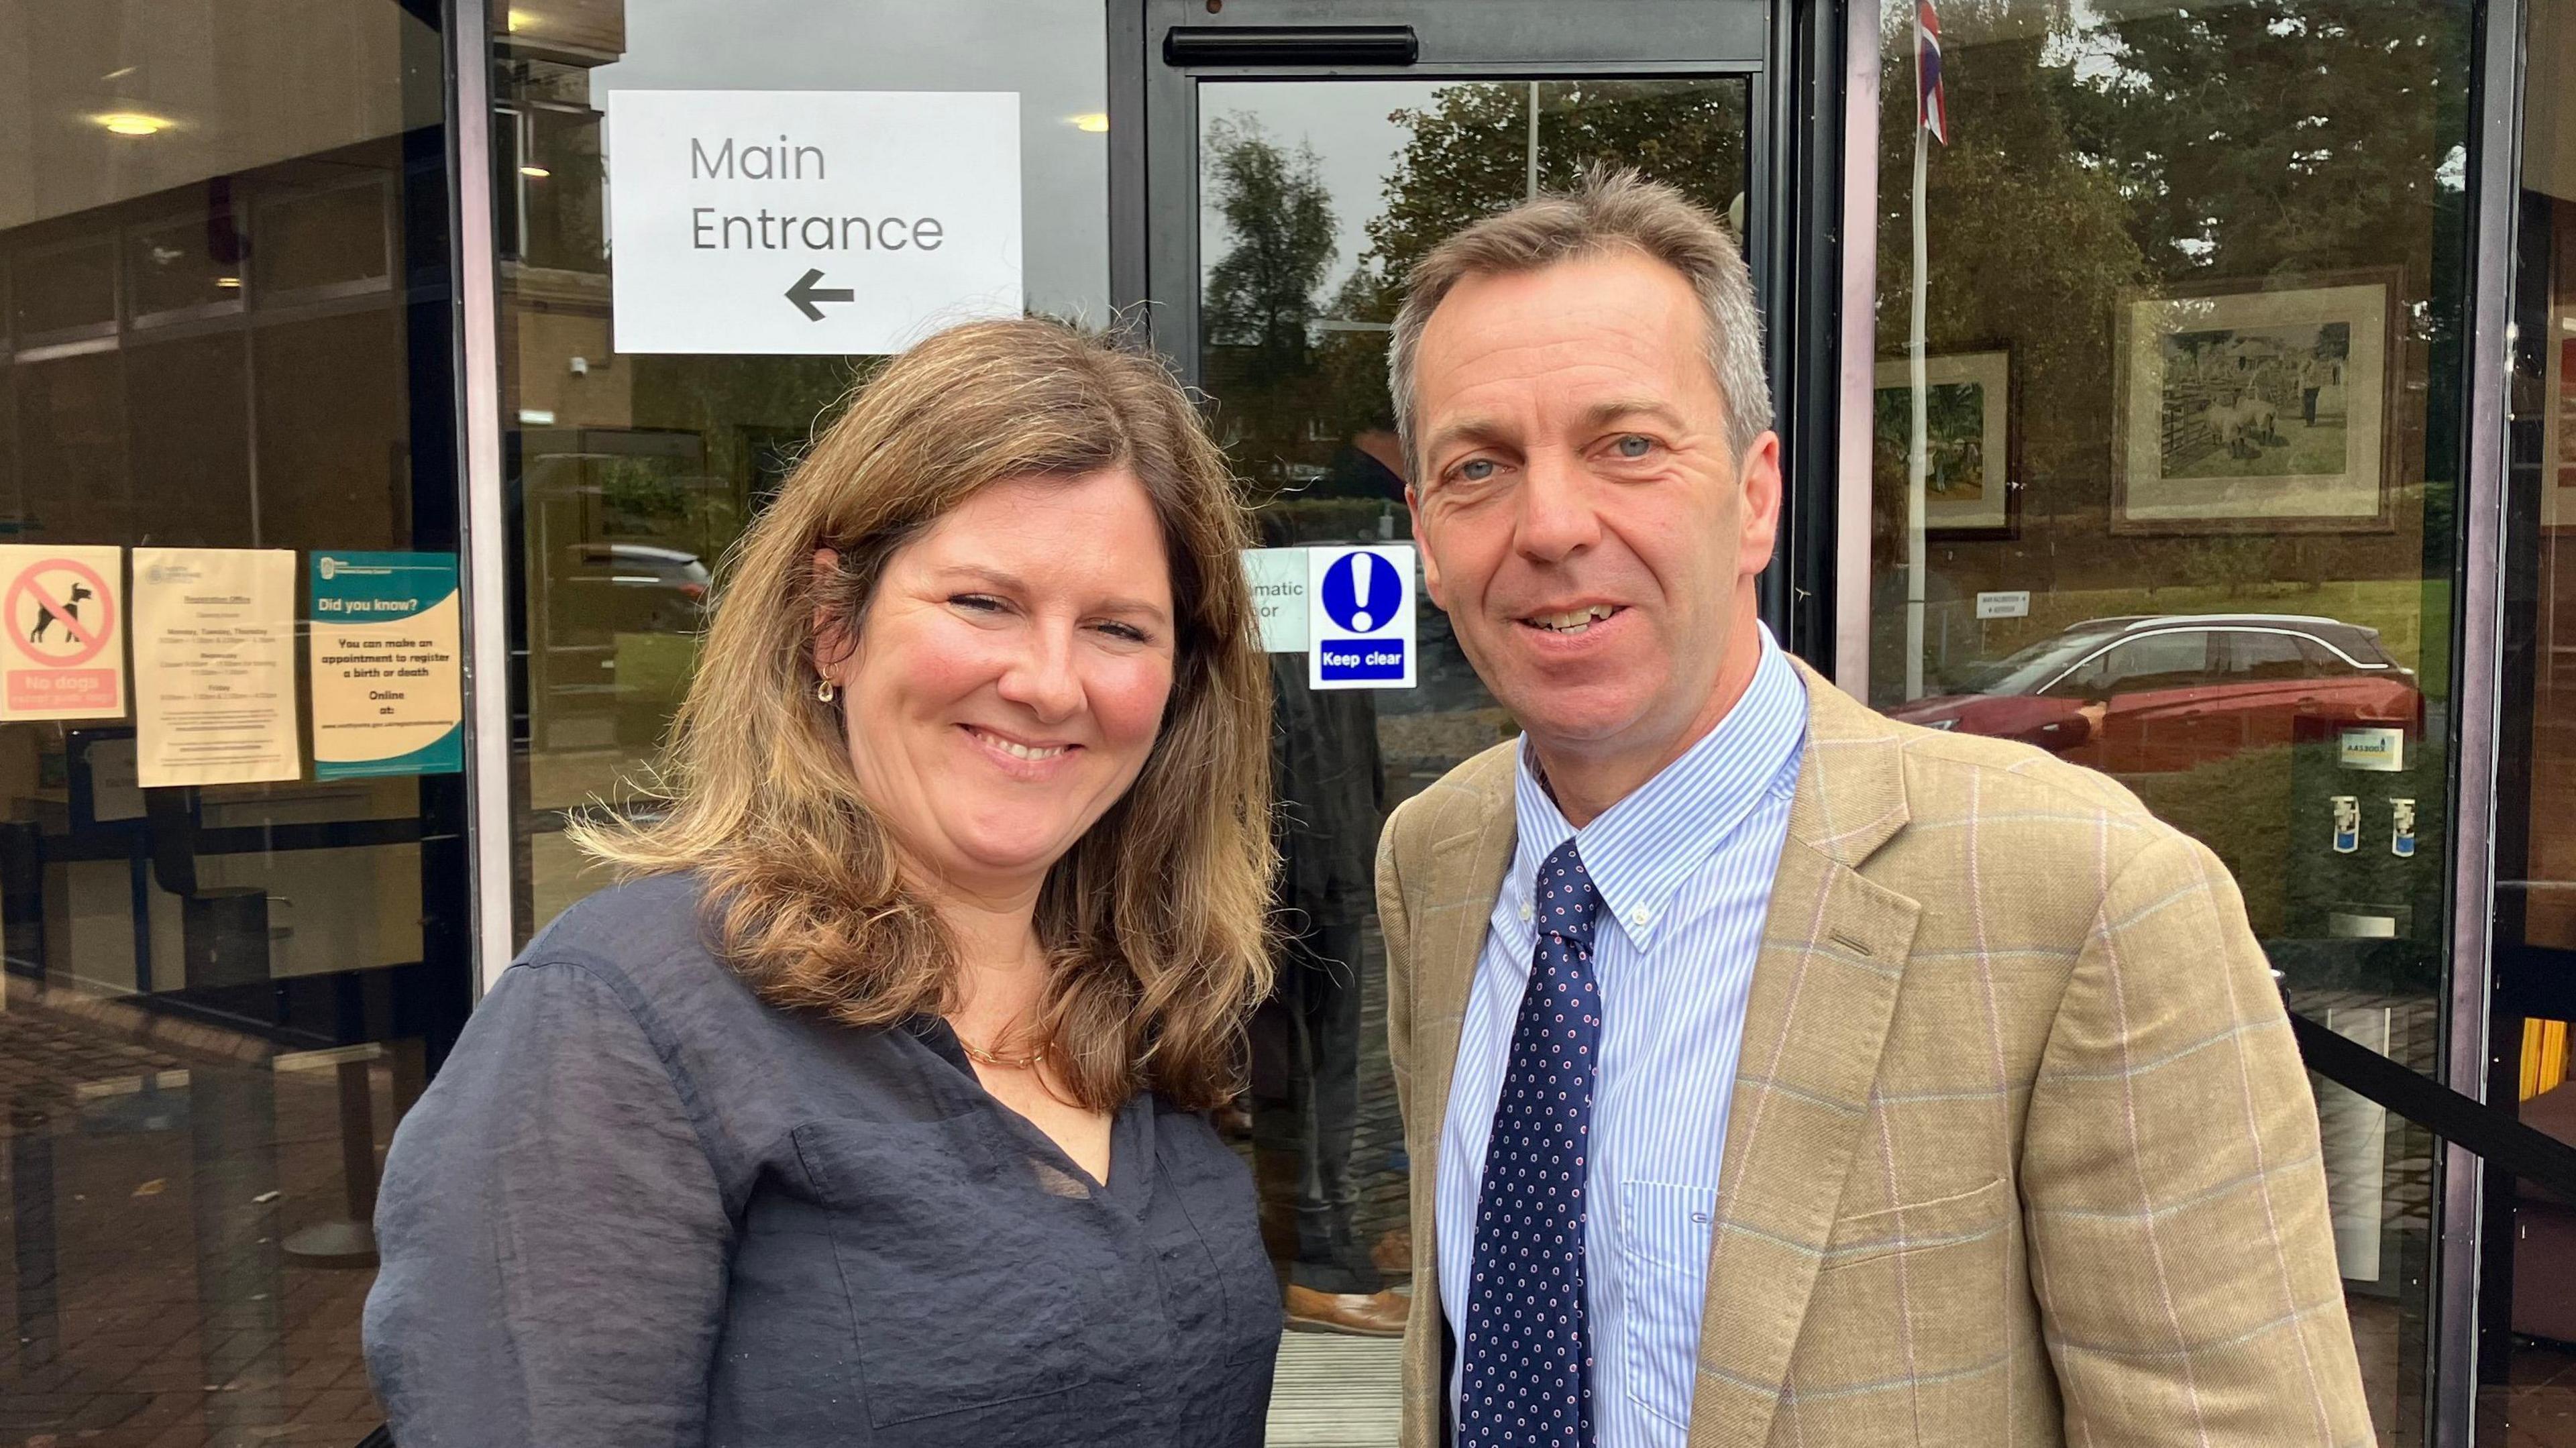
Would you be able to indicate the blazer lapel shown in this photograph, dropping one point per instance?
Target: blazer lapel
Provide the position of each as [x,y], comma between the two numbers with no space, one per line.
[1833,951]
[1448,943]
[1449,912]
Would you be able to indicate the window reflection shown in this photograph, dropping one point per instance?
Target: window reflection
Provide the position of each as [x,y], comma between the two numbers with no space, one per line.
[2529,1350]
[216,1001]
[1314,199]
[633,474]
[2190,480]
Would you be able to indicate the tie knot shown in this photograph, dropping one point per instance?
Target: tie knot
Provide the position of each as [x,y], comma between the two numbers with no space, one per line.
[1567,898]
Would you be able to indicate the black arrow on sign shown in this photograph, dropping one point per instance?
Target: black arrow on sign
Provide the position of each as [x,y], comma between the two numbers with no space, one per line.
[805,294]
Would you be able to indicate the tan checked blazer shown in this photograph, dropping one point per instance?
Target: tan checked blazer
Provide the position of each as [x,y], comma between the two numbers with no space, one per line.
[2020,1150]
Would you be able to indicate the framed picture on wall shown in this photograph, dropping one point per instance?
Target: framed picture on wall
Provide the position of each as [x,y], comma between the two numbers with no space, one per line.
[2262,408]
[1971,486]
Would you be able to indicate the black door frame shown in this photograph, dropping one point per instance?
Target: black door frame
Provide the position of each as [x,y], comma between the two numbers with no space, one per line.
[1790,54]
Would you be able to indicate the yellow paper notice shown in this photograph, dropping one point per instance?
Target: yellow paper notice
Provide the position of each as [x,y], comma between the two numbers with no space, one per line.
[214,665]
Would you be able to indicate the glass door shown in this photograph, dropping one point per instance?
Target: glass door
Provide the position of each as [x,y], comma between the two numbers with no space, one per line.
[235,925]
[1288,175]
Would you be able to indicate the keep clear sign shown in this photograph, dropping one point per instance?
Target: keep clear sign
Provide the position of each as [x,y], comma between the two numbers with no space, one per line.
[214,666]
[386,640]
[66,653]
[1359,617]
[817,222]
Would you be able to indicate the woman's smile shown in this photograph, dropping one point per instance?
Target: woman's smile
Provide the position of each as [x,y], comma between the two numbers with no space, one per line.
[1022,758]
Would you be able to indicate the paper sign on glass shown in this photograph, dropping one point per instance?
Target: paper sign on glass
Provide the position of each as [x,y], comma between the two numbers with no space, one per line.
[65,658]
[1277,577]
[385,640]
[214,666]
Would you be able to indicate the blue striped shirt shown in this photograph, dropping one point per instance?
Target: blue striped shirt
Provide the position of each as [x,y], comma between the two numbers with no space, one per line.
[1685,866]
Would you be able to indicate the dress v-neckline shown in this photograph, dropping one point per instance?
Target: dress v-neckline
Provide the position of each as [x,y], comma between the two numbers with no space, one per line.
[1131,1143]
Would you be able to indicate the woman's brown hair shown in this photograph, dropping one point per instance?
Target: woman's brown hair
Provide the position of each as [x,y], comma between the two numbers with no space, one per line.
[1154,921]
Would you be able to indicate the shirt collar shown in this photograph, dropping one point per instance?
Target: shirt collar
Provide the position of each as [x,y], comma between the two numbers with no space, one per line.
[1641,849]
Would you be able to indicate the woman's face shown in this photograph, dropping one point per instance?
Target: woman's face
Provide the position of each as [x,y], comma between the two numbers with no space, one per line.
[1010,675]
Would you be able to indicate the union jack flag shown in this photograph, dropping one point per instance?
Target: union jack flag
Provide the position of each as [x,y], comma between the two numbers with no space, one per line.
[1932,108]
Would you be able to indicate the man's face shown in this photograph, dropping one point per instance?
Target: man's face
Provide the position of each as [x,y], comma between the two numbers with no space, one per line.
[1583,519]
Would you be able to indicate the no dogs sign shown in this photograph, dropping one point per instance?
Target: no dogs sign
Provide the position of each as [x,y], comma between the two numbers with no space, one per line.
[65,658]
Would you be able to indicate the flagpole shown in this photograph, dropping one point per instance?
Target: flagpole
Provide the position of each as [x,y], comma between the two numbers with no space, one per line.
[1918,451]
[1532,194]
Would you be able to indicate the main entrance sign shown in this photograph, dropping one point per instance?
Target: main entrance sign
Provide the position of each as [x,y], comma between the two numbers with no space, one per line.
[810,222]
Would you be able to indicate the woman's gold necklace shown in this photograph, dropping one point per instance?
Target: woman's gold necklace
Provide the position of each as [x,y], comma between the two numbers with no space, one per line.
[1029,1062]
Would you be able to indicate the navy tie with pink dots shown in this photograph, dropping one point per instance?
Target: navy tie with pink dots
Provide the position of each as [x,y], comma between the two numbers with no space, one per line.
[1527,1358]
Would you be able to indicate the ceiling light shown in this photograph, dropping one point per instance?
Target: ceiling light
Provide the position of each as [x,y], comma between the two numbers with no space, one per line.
[233,282]
[131,123]
[1092,121]
[538,172]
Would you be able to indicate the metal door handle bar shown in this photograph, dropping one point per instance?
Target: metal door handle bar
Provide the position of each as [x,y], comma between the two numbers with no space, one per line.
[1300,45]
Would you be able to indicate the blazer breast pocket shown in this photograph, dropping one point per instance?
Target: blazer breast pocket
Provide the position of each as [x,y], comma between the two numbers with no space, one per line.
[1922,1290]
[1949,1221]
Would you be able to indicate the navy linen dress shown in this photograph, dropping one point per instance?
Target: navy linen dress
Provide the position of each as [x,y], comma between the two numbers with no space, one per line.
[639,1207]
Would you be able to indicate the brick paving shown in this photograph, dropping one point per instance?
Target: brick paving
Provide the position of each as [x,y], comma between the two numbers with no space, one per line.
[145,1197]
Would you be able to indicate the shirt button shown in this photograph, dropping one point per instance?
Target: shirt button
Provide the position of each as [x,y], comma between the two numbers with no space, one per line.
[1640,916]
[1526,912]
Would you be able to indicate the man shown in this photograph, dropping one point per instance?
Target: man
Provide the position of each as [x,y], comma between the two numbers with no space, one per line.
[1775,1073]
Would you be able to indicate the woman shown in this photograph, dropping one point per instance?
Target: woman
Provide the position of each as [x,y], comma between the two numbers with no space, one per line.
[860,1112]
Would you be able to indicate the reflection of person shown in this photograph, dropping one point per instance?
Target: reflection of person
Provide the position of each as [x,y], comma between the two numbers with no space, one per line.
[1370,465]
[1330,783]
[1306,1038]
[1775,1072]
[864,1111]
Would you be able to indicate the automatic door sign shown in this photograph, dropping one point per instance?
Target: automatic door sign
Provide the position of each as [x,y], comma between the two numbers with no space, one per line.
[66,621]
[1359,618]
[1277,577]
[814,222]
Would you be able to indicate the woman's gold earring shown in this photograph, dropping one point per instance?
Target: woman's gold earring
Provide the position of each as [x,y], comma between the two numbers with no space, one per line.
[824,690]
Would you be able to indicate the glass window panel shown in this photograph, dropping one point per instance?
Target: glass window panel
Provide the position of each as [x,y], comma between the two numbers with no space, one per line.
[323,238]
[71,440]
[64,287]
[187,443]
[216,1001]
[2530,1241]
[2255,655]
[187,263]
[2198,268]
[2158,661]
[634,473]
[1314,198]
[334,453]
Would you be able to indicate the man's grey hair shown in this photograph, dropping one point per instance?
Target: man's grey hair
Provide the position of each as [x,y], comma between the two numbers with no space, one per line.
[1607,213]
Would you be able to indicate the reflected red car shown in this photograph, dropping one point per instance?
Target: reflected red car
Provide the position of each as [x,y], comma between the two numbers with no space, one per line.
[2159,694]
